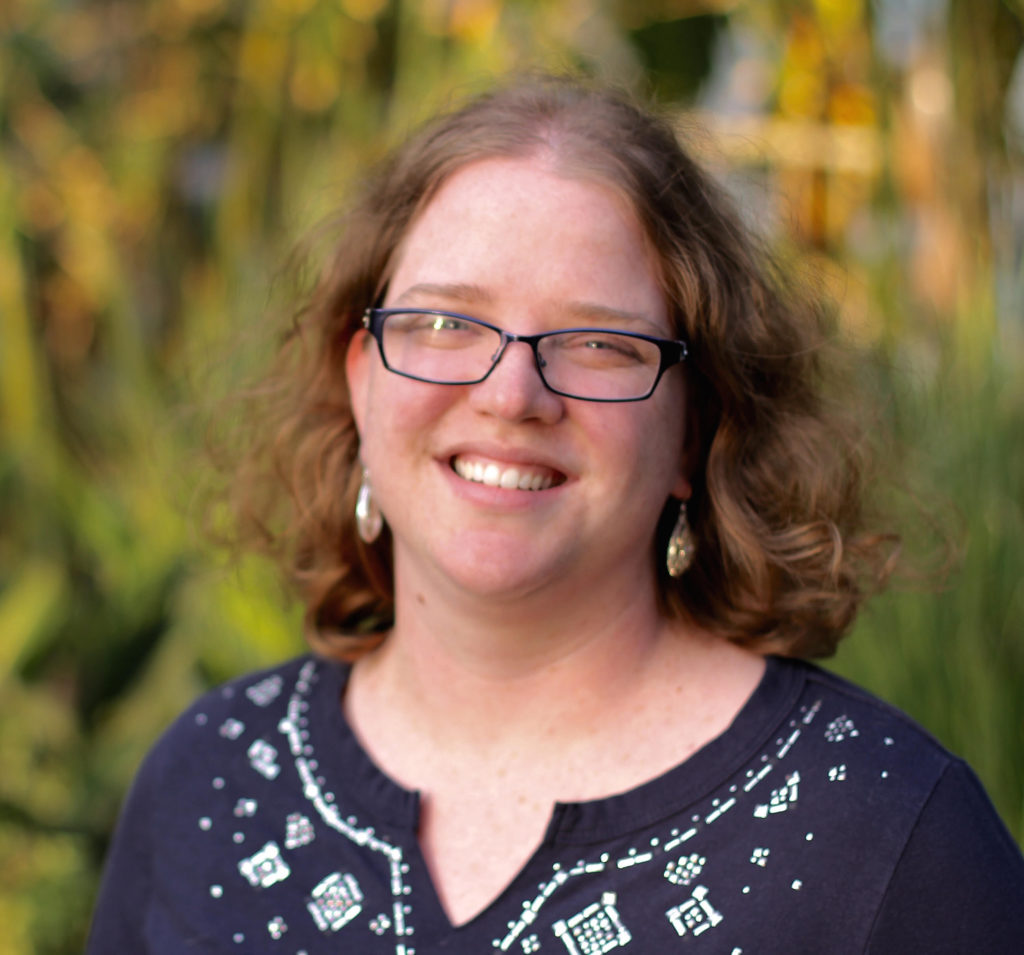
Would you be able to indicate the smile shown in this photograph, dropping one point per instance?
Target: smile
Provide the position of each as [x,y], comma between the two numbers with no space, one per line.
[521,477]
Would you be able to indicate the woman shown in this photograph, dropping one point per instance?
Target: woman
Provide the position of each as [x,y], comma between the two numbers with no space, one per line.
[562,484]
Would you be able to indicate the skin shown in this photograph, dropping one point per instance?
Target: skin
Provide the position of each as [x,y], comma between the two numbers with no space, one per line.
[527,644]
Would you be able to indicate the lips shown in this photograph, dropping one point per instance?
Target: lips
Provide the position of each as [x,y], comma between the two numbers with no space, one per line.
[523,477]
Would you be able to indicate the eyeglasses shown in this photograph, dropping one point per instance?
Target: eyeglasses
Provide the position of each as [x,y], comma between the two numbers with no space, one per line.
[594,364]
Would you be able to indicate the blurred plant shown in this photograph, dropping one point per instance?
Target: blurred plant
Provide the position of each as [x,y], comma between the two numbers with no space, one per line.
[156,159]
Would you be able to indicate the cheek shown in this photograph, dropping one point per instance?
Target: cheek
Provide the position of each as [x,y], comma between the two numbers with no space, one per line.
[650,447]
[399,413]
[629,449]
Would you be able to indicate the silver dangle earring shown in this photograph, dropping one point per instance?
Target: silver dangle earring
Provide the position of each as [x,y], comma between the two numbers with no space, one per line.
[682,546]
[368,517]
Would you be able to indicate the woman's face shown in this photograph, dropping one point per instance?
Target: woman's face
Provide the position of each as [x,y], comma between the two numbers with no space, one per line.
[512,242]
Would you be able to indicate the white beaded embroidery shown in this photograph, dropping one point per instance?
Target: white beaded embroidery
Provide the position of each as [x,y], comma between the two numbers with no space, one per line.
[685,869]
[338,899]
[840,728]
[782,798]
[695,915]
[231,728]
[263,758]
[335,901]
[266,867]
[266,691]
[298,831]
[595,930]
[291,726]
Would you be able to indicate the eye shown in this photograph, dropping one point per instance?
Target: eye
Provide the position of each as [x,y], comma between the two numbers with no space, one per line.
[448,323]
[435,332]
[427,323]
[594,346]
[623,346]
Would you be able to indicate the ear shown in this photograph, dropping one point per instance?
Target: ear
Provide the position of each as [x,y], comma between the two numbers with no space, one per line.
[358,364]
[683,489]
[689,459]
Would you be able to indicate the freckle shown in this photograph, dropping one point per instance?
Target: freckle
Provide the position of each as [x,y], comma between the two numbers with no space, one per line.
[420,599]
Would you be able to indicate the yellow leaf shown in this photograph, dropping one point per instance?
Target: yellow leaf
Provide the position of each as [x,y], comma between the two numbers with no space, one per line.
[363,10]
[25,608]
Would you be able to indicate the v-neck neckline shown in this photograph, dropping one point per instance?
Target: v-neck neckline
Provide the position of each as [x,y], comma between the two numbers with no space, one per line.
[361,786]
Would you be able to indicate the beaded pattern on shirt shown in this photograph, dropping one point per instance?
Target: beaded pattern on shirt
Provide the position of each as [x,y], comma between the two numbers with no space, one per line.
[337,900]
[696,914]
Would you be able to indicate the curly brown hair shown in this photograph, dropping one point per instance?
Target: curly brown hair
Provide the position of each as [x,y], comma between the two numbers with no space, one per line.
[783,558]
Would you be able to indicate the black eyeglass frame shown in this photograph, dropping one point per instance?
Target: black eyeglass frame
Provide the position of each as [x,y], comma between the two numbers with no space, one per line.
[673,352]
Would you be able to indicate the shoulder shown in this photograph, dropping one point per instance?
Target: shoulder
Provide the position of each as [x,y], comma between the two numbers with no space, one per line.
[862,754]
[251,707]
[855,800]
[959,883]
[847,769]
[913,812]
[203,777]
[847,720]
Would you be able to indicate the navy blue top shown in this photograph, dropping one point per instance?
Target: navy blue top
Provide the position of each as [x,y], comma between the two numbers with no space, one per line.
[821,821]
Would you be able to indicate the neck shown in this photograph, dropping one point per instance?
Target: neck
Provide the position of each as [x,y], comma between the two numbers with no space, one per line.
[471,669]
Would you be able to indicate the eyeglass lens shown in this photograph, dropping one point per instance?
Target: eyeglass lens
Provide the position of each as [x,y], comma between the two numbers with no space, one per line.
[590,363]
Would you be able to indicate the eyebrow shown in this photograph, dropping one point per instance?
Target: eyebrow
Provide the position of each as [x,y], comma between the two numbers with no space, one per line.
[594,312]
[464,292]
[470,294]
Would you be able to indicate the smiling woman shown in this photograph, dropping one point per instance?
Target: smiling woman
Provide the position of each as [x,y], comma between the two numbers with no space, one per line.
[568,246]
[555,478]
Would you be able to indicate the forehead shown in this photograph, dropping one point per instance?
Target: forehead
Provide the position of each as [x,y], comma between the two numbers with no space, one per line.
[522,227]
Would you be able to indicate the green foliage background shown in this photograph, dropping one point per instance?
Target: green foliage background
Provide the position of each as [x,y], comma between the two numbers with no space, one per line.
[159,158]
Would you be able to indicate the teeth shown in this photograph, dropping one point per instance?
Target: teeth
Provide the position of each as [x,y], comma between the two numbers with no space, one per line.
[493,475]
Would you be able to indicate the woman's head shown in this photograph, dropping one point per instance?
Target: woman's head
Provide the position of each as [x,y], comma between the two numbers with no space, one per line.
[775,504]
[562,265]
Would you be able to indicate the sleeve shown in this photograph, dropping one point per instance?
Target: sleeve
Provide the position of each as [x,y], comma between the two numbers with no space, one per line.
[959,884]
[126,887]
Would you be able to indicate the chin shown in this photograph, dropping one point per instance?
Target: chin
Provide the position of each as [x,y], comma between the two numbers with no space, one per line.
[498,580]
[500,568]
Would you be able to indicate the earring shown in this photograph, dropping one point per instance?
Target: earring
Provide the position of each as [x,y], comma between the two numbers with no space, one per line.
[368,517]
[682,547]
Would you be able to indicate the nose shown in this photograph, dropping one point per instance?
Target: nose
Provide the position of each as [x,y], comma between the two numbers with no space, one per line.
[514,390]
